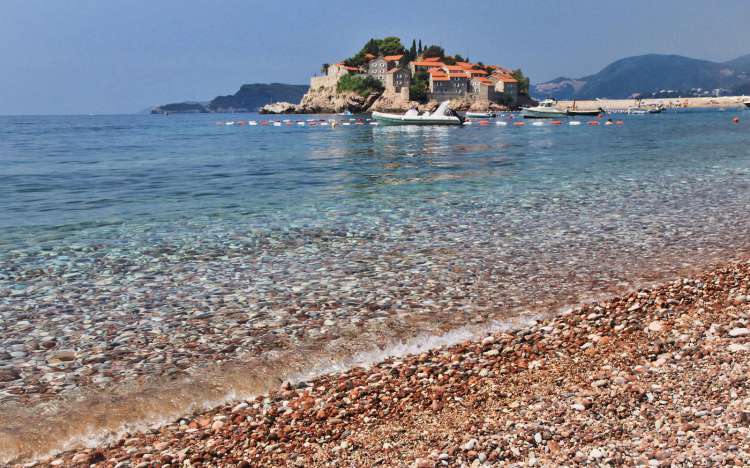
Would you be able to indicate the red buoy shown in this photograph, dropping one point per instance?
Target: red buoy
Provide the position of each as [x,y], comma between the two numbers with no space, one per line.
[736,120]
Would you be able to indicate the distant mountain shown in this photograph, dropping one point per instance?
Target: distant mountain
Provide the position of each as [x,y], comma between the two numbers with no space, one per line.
[249,98]
[646,74]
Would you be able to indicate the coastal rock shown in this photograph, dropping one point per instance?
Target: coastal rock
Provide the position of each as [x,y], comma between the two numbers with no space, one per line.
[326,100]
[279,108]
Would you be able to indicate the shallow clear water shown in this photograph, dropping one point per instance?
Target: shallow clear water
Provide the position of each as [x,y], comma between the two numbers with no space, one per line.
[161,246]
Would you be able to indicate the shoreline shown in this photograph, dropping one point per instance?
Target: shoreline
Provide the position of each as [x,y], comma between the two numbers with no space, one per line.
[669,103]
[558,391]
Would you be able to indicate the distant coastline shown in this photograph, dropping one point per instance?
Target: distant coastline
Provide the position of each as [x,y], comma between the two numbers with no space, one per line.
[249,98]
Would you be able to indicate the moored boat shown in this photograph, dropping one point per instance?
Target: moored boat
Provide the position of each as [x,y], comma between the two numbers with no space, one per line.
[481,115]
[646,110]
[747,103]
[443,115]
[579,112]
[546,109]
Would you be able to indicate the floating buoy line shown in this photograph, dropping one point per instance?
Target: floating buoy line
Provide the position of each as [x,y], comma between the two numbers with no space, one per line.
[334,123]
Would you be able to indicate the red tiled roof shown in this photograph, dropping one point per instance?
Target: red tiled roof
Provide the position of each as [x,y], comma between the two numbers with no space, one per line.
[483,80]
[505,78]
[393,58]
[477,72]
[454,68]
[369,56]
[432,59]
[427,64]
[440,78]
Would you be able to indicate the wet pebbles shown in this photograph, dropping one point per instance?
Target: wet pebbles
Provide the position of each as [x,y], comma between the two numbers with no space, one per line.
[656,377]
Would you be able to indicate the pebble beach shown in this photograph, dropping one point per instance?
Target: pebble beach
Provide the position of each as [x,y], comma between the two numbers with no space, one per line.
[657,377]
[136,317]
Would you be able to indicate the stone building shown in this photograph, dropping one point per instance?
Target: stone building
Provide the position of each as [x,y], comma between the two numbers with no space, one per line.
[332,76]
[396,79]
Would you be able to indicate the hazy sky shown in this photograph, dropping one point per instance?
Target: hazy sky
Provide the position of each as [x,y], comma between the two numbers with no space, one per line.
[117,56]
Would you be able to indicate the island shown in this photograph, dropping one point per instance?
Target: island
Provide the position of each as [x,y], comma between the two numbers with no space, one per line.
[386,76]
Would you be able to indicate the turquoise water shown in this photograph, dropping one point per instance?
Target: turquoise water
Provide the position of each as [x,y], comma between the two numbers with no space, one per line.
[154,246]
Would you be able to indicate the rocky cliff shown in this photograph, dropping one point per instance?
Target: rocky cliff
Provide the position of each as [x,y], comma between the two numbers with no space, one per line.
[327,100]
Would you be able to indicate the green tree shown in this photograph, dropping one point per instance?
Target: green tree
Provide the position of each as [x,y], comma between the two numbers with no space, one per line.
[419,49]
[372,47]
[448,60]
[362,85]
[413,49]
[434,51]
[324,68]
[391,46]
[523,81]
[420,85]
[459,58]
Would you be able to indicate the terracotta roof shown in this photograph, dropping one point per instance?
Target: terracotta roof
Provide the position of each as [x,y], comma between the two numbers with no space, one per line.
[458,74]
[483,80]
[477,72]
[505,78]
[425,63]
[432,59]
[347,67]
[440,78]
[454,68]
[437,72]
[369,56]
[393,58]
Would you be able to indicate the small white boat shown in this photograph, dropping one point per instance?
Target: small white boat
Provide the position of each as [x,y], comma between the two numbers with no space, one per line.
[480,115]
[546,109]
[645,110]
[443,115]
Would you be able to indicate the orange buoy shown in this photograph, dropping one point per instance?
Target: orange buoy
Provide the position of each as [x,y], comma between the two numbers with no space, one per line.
[484,122]
[519,124]
[619,122]
[556,122]
[593,123]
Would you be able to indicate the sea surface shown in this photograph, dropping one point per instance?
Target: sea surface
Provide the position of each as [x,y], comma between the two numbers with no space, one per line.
[144,253]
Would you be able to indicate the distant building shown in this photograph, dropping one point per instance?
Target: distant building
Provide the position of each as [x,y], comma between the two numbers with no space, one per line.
[483,89]
[506,87]
[377,68]
[332,75]
[397,79]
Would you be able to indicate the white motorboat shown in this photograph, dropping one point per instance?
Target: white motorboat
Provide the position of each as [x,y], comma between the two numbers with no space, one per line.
[480,115]
[546,109]
[646,110]
[443,115]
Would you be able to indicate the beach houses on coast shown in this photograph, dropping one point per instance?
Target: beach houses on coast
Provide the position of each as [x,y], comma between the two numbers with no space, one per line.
[446,81]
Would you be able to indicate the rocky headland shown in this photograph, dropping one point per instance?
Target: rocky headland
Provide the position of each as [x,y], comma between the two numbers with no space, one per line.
[327,100]
[657,377]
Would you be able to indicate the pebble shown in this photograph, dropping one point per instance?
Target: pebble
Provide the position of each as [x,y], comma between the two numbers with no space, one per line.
[737,332]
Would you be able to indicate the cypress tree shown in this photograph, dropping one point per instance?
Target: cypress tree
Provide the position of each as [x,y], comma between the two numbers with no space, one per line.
[419,51]
[413,49]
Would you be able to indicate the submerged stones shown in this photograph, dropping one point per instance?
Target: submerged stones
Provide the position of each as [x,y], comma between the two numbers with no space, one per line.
[637,397]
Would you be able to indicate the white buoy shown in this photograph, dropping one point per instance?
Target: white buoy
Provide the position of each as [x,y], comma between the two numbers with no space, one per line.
[502,124]
[374,123]
[252,122]
[277,124]
[537,124]
[301,124]
[574,123]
